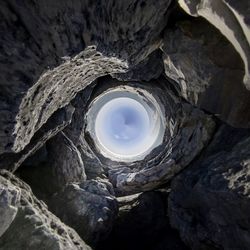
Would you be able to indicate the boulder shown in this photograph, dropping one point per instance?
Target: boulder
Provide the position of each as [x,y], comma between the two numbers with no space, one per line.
[209,202]
[28,224]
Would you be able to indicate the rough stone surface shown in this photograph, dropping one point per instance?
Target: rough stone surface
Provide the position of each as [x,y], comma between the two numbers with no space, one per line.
[9,199]
[209,202]
[57,56]
[30,225]
[231,18]
[241,10]
[58,87]
[89,207]
[142,223]
[75,131]
[150,68]
[128,30]
[207,70]
[65,160]
[57,122]
[188,130]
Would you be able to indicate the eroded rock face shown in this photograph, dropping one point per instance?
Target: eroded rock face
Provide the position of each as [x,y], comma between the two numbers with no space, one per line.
[57,57]
[187,131]
[208,71]
[65,29]
[9,199]
[57,122]
[58,87]
[209,202]
[28,224]
[229,17]
[70,167]
[89,207]
[142,223]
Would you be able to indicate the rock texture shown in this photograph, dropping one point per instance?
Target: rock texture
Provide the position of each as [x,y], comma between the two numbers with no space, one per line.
[58,87]
[56,57]
[129,30]
[9,199]
[89,207]
[209,202]
[207,70]
[142,223]
[75,131]
[150,68]
[57,122]
[27,222]
[65,160]
[230,17]
[188,130]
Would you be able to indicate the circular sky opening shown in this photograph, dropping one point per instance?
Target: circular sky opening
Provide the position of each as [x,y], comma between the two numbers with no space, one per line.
[125,124]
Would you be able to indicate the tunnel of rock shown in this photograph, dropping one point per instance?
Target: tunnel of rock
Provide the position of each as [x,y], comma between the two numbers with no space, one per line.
[186,63]
[125,123]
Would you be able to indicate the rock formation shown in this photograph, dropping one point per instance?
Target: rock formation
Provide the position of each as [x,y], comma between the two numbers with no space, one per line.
[89,207]
[26,222]
[58,190]
[209,202]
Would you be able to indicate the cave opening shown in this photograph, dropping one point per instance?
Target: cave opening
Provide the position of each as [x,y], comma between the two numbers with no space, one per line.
[125,123]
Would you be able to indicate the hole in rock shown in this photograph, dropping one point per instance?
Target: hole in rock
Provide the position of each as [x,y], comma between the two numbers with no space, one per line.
[125,123]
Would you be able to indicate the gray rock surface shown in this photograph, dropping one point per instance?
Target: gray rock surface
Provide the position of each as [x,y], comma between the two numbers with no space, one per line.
[58,87]
[142,223]
[128,30]
[188,130]
[65,160]
[9,200]
[89,207]
[57,56]
[241,10]
[28,223]
[150,68]
[209,202]
[207,70]
[75,131]
[57,122]
[231,18]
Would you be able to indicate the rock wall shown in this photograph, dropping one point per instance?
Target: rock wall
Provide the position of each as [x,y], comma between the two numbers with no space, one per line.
[209,202]
[191,191]
[27,223]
